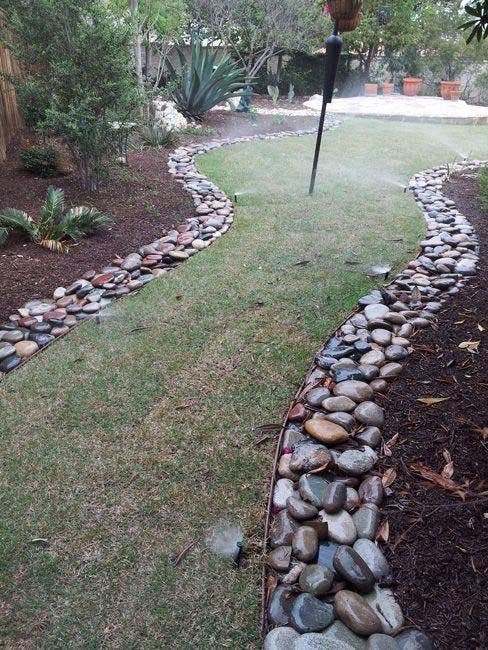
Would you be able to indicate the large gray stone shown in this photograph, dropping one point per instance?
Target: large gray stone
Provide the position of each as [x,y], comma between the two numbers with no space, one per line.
[356,461]
[309,614]
[413,640]
[281,638]
[374,558]
[335,637]
[357,391]
[370,414]
[341,526]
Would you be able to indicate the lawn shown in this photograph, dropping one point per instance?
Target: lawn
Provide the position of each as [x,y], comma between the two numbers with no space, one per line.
[127,441]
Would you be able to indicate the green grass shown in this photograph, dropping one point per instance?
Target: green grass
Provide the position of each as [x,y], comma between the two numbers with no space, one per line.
[121,446]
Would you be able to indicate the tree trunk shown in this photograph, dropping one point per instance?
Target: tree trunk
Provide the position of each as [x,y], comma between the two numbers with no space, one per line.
[137,42]
[368,62]
[148,60]
[279,67]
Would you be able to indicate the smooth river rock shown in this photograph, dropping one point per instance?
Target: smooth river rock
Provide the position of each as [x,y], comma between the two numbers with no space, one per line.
[312,489]
[300,510]
[326,432]
[335,496]
[371,490]
[284,489]
[357,391]
[381,642]
[334,404]
[282,529]
[305,543]
[279,558]
[374,558]
[370,414]
[353,610]
[316,579]
[280,605]
[336,637]
[316,396]
[309,614]
[351,566]
[309,456]
[341,526]
[413,640]
[356,461]
[367,520]
[281,638]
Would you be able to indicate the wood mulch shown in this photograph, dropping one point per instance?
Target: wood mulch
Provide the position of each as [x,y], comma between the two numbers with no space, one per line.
[143,199]
[438,540]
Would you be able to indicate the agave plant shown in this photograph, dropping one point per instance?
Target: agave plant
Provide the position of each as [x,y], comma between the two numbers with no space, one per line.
[54,226]
[204,82]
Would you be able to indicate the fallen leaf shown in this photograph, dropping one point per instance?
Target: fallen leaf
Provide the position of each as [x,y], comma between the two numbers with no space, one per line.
[388,446]
[272,583]
[441,481]
[448,470]
[481,328]
[432,400]
[483,431]
[470,346]
[383,534]
[389,477]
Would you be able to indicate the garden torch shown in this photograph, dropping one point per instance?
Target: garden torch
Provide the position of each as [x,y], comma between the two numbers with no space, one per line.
[345,14]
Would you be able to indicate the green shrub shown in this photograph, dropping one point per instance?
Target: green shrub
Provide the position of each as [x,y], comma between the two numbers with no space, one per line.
[483,183]
[204,83]
[42,161]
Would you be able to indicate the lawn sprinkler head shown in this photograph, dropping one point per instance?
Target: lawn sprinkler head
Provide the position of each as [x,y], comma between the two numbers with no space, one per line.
[239,553]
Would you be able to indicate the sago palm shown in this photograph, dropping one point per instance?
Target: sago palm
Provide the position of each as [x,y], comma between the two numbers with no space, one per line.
[203,82]
[54,226]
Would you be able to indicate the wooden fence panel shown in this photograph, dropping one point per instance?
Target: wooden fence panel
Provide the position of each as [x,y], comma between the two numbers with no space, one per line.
[10,120]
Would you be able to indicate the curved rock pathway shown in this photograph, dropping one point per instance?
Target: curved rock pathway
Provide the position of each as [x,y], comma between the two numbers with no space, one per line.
[330,575]
[38,323]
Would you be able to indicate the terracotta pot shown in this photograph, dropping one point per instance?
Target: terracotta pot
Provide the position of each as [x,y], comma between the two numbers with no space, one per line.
[411,86]
[349,24]
[455,95]
[447,87]
[347,9]
[387,89]
[370,90]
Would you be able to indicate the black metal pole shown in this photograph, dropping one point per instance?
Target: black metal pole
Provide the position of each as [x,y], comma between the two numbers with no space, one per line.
[333,52]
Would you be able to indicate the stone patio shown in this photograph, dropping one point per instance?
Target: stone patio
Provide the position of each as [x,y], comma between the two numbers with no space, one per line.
[399,107]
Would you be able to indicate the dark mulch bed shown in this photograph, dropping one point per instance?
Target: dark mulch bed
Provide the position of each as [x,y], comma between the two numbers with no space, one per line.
[438,542]
[143,199]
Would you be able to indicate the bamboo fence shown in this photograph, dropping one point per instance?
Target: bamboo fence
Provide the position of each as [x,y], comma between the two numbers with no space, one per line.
[10,120]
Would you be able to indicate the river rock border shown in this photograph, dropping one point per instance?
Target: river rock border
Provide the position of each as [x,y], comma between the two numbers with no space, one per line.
[326,577]
[40,322]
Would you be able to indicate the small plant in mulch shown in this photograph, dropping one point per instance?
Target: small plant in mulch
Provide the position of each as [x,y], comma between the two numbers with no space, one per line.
[54,226]
[157,135]
[43,161]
